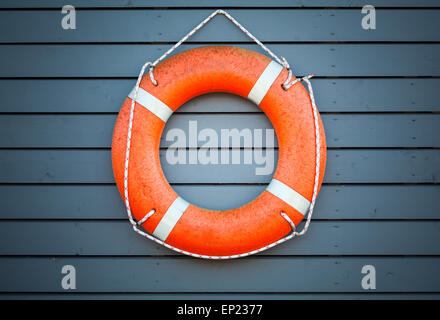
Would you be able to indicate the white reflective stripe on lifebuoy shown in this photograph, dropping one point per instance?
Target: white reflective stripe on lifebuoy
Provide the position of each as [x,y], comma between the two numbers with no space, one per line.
[264,82]
[150,102]
[289,196]
[170,218]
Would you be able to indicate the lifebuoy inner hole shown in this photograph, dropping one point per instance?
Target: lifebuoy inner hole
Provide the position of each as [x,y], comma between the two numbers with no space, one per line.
[219,151]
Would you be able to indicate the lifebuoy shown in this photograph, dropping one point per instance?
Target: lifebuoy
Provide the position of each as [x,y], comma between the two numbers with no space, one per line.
[185,226]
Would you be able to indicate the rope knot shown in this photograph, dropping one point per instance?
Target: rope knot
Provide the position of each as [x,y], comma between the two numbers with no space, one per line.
[286,85]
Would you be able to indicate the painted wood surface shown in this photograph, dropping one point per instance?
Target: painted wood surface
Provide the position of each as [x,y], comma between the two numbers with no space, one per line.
[116,238]
[220,4]
[106,96]
[273,274]
[343,166]
[167,25]
[343,130]
[125,60]
[335,202]
[377,91]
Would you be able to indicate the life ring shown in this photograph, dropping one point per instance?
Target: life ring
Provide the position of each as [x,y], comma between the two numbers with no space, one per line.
[202,232]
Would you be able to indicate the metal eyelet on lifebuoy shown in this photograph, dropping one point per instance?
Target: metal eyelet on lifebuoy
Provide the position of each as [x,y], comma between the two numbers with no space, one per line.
[191,229]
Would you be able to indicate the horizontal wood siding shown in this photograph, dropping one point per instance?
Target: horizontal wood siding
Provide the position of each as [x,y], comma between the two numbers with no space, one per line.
[220,4]
[167,25]
[124,60]
[344,130]
[378,94]
[106,96]
[276,274]
[116,238]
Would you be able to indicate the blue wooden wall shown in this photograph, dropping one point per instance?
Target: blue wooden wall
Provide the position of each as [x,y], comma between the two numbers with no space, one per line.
[378,94]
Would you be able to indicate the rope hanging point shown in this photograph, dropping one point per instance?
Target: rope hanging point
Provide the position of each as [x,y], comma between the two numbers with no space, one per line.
[281,61]
[286,85]
[149,214]
[286,217]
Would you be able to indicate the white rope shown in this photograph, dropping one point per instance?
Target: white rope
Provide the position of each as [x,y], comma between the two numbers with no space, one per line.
[287,84]
[281,60]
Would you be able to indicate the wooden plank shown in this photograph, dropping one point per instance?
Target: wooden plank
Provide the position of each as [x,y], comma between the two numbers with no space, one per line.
[171,25]
[116,238]
[343,166]
[125,60]
[334,202]
[245,275]
[332,95]
[342,130]
[219,4]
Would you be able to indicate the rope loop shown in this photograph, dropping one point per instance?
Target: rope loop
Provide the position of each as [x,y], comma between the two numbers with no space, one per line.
[149,214]
[153,80]
[286,217]
[286,85]
[150,71]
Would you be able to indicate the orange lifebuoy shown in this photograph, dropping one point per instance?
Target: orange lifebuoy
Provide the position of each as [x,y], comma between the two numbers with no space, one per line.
[209,232]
